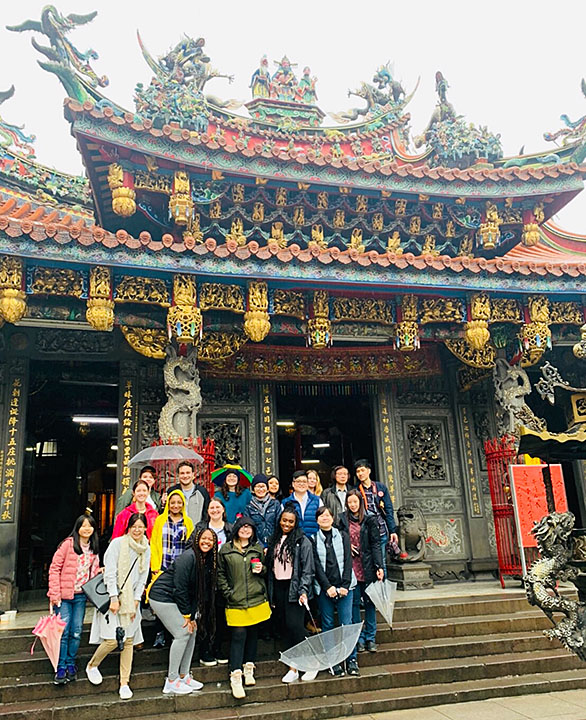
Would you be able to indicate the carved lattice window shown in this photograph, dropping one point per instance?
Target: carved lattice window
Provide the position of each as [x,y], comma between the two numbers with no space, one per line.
[426,463]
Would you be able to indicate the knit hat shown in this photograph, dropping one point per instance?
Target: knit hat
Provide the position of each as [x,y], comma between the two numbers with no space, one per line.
[258,479]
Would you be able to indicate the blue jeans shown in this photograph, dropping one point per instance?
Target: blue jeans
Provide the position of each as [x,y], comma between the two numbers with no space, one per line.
[369,628]
[384,539]
[343,605]
[72,611]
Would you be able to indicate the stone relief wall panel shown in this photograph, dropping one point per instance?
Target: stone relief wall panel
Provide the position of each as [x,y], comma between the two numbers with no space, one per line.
[235,431]
[228,436]
[445,539]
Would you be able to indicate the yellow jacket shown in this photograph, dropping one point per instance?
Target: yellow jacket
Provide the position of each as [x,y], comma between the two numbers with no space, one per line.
[157,534]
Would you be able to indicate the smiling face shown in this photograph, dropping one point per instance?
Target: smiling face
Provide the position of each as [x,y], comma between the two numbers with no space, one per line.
[273,486]
[137,531]
[353,503]
[186,476]
[300,484]
[216,511]
[141,493]
[244,532]
[206,541]
[260,490]
[175,505]
[363,473]
[231,481]
[85,531]
[287,522]
[148,477]
[311,480]
[325,520]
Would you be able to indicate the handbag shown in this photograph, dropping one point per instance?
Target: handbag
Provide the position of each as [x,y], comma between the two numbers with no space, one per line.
[96,592]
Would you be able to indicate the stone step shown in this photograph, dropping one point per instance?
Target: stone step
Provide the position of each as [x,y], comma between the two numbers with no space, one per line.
[269,688]
[327,698]
[20,664]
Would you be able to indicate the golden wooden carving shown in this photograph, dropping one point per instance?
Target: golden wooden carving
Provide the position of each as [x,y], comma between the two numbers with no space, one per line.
[216,296]
[56,281]
[435,310]
[146,291]
[289,303]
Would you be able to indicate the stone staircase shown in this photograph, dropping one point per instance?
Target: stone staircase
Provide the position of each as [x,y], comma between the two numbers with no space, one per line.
[439,651]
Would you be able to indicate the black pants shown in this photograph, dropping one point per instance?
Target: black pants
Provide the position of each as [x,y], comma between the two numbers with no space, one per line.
[289,615]
[243,646]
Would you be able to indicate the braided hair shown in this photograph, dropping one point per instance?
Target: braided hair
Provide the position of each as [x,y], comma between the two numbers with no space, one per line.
[287,549]
[206,574]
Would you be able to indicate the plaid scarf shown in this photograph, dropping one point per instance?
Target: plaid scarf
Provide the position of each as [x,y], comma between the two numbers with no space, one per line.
[174,542]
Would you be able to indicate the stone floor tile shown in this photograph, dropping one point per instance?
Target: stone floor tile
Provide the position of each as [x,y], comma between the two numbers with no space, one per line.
[411,714]
[479,710]
[574,697]
[538,706]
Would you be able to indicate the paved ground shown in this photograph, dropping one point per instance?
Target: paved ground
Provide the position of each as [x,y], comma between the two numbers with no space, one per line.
[566,705]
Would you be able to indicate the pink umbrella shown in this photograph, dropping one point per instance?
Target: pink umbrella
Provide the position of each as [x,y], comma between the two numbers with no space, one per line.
[50,629]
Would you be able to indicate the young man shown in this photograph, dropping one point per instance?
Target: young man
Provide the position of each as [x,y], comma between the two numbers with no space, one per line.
[306,503]
[263,509]
[334,497]
[147,474]
[377,501]
[196,496]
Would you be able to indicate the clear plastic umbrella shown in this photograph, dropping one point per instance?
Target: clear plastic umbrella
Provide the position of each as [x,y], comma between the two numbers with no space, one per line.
[324,650]
[164,453]
[383,593]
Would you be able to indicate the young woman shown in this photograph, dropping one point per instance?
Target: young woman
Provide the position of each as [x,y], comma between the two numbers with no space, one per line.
[216,521]
[335,580]
[74,563]
[211,650]
[183,597]
[234,496]
[263,509]
[126,568]
[290,571]
[241,573]
[170,537]
[314,483]
[139,504]
[367,563]
[274,487]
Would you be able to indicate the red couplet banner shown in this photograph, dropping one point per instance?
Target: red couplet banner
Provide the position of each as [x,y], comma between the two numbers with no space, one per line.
[529,497]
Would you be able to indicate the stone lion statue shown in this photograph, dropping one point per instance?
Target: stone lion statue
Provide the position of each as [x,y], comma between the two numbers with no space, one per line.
[412,533]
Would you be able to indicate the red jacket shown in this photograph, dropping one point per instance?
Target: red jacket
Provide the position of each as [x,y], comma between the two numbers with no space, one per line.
[63,571]
[121,522]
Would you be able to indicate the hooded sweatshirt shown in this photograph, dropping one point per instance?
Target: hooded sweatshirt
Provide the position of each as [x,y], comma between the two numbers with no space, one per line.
[162,535]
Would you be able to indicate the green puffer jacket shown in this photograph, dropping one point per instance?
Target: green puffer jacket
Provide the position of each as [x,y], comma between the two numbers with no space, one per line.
[238,584]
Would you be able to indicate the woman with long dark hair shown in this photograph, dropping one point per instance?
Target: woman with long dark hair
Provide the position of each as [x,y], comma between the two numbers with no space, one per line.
[126,568]
[290,574]
[230,491]
[75,561]
[367,563]
[241,573]
[211,648]
[183,598]
[274,486]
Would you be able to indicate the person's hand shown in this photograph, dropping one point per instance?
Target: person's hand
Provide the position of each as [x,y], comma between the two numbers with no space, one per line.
[114,605]
[331,592]
[343,592]
[380,574]
[164,498]
[303,599]
[54,604]
[394,538]
[191,625]
[256,567]
[136,604]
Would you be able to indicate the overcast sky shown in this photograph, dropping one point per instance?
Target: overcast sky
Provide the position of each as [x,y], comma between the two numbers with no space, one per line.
[514,66]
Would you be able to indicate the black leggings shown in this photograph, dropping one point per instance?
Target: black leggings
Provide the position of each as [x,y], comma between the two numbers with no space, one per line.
[243,646]
[289,615]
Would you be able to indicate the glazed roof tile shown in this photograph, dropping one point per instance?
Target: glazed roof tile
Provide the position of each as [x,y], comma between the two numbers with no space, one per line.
[231,143]
[20,218]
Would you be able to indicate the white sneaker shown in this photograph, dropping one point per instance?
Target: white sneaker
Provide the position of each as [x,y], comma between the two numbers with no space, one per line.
[290,677]
[93,675]
[191,683]
[175,687]
[125,692]
[309,675]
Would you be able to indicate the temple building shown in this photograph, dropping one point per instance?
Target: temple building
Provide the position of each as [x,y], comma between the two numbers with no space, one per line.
[304,292]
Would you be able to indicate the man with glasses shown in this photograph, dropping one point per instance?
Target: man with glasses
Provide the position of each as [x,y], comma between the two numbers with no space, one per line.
[306,503]
[334,497]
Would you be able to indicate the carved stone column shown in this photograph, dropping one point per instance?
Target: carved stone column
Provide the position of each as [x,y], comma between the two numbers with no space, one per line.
[14,379]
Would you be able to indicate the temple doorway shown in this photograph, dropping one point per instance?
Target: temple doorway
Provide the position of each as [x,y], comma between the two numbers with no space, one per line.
[70,459]
[320,426]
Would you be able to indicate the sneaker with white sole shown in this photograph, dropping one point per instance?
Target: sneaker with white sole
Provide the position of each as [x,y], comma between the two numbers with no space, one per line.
[125,692]
[175,687]
[290,677]
[93,675]
[309,675]
[191,683]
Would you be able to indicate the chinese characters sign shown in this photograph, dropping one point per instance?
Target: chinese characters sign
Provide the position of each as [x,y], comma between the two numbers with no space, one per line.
[127,431]
[8,457]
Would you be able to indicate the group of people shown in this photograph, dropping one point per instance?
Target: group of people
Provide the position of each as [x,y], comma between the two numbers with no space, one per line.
[221,568]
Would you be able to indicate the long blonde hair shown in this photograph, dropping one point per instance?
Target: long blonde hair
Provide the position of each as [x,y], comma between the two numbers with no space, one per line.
[318,488]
